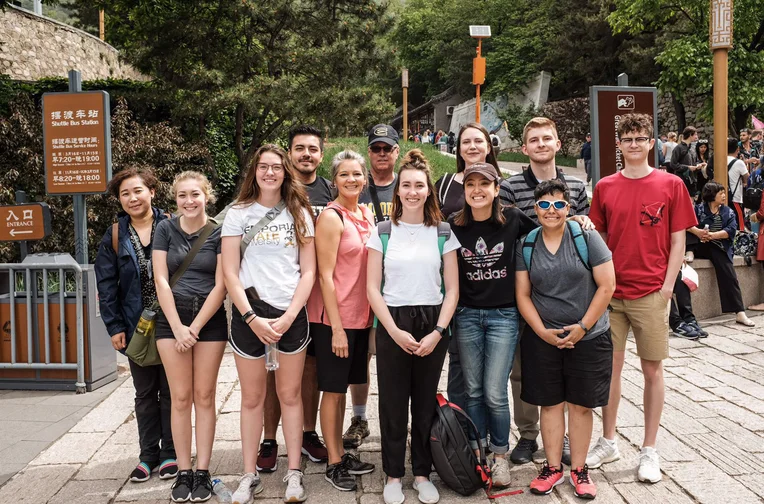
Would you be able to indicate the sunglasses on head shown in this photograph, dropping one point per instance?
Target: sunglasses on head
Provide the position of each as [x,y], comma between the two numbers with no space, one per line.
[376,149]
[557,204]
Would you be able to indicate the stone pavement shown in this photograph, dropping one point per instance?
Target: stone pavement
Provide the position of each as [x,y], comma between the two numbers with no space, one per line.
[711,441]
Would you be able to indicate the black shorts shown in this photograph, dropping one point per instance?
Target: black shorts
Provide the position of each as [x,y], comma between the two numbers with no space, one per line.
[336,373]
[580,375]
[216,328]
[246,343]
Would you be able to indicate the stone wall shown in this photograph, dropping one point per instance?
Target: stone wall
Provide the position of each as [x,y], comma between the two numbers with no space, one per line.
[33,46]
[692,104]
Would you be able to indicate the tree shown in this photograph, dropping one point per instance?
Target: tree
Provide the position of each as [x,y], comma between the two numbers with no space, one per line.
[270,63]
[685,60]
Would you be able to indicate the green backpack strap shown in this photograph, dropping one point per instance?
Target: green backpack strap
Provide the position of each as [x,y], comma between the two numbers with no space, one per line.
[529,244]
[384,229]
[580,241]
[444,233]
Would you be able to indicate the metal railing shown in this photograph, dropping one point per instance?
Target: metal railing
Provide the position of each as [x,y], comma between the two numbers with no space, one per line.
[28,268]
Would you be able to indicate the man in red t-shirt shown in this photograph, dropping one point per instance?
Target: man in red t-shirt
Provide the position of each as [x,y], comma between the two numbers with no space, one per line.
[642,214]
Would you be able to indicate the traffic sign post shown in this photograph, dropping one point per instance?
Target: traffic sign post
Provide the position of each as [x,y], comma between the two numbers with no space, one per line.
[30,221]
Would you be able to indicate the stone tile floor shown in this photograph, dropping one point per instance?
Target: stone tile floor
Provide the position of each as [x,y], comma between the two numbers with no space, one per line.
[711,441]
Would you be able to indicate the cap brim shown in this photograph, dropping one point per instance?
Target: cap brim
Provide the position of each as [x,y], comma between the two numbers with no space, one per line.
[385,140]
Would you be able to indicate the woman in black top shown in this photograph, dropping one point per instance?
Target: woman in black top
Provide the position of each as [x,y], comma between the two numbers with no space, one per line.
[126,286]
[191,329]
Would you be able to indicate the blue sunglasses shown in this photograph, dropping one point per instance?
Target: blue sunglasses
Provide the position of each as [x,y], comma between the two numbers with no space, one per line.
[558,204]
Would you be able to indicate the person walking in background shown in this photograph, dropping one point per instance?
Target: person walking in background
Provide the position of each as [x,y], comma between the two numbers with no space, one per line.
[567,352]
[737,179]
[643,215]
[191,329]
[586,155]
[748,151]
[269,280]
[486,321]
[684,164]
[125,287]
[668,148]
[342,336]
[406,293]
[703,156]
[714,235]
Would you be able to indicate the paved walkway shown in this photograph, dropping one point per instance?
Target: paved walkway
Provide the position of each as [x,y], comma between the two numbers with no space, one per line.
[711,441]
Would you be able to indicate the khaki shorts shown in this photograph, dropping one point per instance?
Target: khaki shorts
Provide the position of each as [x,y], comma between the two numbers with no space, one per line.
[648,318]
[373,341]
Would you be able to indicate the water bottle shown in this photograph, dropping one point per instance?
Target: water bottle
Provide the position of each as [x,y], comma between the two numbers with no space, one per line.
[272,357]
[221,491]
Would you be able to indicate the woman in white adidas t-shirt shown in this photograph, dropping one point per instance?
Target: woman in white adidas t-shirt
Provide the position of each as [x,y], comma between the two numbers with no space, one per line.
[269,286]
[413,313]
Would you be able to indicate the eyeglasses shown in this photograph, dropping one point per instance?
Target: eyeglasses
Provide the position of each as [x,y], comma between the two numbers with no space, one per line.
[638,140]
[546,204]
[376,149]
[276,168]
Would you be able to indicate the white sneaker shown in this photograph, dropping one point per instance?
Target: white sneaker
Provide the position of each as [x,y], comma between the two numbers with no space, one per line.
[649,465]
[393,493]
[603,452]
[249,485]
[500,473]
[295,492]
[427,492]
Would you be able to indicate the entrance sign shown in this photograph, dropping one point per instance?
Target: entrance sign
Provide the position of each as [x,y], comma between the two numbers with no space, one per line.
[24,222]
[77,141]
[607,104]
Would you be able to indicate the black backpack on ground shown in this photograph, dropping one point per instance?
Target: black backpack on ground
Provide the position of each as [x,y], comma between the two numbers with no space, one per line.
[454,460]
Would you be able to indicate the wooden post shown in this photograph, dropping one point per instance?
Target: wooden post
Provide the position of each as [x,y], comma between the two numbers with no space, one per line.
[720,42]
[101,28]
[405,84]
[477,81]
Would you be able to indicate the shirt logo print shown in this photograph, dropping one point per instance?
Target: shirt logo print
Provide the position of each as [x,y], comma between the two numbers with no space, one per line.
[482,258]
[651,214]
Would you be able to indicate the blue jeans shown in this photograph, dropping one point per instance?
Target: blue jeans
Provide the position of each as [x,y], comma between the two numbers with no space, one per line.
[487,342]
[455,390]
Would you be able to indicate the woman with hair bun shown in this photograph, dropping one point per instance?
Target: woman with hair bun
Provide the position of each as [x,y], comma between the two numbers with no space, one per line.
[414,305]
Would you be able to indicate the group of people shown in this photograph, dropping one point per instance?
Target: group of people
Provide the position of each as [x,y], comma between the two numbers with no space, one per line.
[375,261]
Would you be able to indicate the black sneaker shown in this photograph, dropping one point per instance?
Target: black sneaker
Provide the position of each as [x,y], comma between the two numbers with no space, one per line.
[181,489]
[202,490]
[338,476]
[359,429]
[701,333]
[524,450]
[566,450]
[142,472]
[355,466]
[686,331]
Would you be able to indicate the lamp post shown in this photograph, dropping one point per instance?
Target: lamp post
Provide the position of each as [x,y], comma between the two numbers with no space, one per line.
[405,85]
[720,42]
[478,32]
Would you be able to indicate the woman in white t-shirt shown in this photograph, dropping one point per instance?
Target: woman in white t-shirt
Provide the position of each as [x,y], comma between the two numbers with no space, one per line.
[405,290]
[269,284]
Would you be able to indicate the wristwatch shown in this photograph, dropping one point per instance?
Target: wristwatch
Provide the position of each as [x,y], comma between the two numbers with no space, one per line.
[440,330]
[246,316]
[581,323]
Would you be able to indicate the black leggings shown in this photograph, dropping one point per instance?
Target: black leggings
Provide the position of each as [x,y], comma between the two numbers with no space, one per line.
[729,288]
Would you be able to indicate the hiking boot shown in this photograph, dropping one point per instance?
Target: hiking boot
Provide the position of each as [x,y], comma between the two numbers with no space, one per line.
[524,450]
[268,456]
[686,331]
[313,447]
[500,473]
[582,483]
[355,466]
[649,465]
[141,473]
[249,485]
[181,489]
[566,450]
[168,469]
[701,332]
[338,476]
[358,430]
[295,492]
[548,478]
[202,490]
[601,453]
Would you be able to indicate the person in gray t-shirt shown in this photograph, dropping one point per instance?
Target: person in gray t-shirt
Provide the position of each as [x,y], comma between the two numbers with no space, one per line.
[566,352]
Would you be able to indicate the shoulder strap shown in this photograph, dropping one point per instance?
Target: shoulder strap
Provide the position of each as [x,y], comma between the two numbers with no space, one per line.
[444,233]
[115,237]
[528,245]
[220,217]
[384,228]
[378,215]
[445,186]
[267,219]
[206,232]
[579,240]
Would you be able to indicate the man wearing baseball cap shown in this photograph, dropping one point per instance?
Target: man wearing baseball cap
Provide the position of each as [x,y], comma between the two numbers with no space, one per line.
[378,196]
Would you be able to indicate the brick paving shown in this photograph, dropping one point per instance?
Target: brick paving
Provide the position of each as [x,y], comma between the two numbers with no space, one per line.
[711,441]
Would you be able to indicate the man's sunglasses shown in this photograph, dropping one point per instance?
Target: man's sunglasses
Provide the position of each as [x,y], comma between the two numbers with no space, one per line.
[376,149]
[546,204]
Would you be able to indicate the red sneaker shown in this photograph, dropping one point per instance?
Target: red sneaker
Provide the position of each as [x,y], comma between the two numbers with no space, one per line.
[313,447]
[582,484]
[268,457]
[548,478]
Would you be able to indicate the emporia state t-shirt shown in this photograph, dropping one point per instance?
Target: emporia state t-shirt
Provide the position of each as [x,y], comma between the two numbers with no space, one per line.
[561,287]
[199,278]
[639,216]
[487,260]
[385,194]
[271,263]
[319,194]
[412,264]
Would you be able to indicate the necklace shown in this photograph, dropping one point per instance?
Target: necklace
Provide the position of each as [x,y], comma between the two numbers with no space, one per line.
[412,234]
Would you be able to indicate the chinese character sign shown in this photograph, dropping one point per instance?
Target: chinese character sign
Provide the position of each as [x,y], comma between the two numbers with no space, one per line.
[77,142]
[24,222]
[721,24]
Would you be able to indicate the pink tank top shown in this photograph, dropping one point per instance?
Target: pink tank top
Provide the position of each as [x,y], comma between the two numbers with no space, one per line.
[349,271]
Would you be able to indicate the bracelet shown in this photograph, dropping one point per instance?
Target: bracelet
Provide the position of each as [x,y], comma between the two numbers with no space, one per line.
[254,316]
[246,315]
